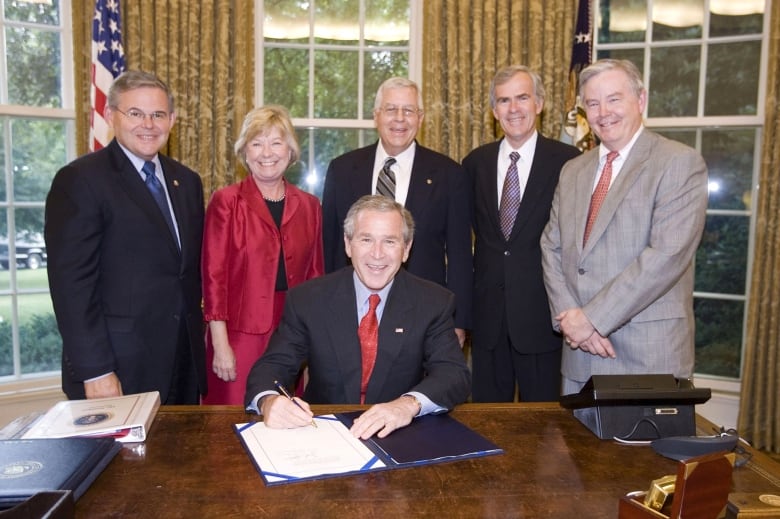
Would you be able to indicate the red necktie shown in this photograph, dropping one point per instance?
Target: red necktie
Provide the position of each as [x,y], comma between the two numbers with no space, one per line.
[368,334]
[599,194]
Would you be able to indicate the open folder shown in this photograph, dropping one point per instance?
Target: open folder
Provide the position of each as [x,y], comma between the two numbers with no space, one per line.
[125,418]
[329,450]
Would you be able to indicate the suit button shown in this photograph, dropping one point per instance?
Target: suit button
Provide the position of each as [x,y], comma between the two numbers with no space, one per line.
[581,271]
[507,253]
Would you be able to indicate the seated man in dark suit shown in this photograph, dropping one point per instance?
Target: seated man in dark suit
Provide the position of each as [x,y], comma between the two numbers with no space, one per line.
[400,352]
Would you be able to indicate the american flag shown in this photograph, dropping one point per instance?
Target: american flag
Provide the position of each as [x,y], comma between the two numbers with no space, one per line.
[575,126]
[108,61]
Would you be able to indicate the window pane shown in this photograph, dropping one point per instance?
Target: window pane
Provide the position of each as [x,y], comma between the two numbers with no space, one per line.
[5,279]
[674,81]
[733,70]
[323,145]
[34,67]
[379,66]
[286,80]
[730,156]
[6,341]
[677,19]
[3,121]
[731,18]
[33,171]
[687,137]
[41,345]
[721,260]
[286,21]
[30,247]
[636,56]
[336,22]
[622,21]
[718,336]
[46,13]
[335,84]
[387,22]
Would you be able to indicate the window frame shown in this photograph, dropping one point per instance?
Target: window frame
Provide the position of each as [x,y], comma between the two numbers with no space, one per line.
[700,123]
[19,383]
[303,124]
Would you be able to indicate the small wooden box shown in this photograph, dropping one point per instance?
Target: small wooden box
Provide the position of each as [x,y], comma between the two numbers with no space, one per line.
[701,490]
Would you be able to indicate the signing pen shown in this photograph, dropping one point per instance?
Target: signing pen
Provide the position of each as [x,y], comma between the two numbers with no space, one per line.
[283,391]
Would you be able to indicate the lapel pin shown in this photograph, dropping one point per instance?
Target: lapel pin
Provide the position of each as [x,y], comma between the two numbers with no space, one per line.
[176,183]
[399,330]
[429,181]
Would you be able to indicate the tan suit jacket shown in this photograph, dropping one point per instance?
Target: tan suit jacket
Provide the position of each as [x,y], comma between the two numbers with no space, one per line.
[634,277]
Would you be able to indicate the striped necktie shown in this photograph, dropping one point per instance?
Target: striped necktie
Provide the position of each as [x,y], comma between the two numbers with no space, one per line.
[510,197]
[385,184]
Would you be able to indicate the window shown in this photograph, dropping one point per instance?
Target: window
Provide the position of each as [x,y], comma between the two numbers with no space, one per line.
[324,60]
[702,63]
[36,139]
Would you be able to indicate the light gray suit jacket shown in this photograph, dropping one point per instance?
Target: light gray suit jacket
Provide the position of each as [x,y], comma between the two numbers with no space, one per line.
[634,277]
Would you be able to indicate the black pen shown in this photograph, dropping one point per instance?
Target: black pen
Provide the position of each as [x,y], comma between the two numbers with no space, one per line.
[283,391]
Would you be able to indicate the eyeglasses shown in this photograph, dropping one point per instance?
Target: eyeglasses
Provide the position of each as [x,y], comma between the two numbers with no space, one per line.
[139,116]
[407,111]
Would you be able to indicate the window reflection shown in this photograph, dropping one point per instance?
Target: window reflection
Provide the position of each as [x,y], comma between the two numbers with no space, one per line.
[718,336]
[674,81]
[677,19]
[733,68]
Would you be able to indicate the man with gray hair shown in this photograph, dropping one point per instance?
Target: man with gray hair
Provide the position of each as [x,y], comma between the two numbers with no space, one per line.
[430,185]
[123,230]
[618,250]
[370,333]
[514,351]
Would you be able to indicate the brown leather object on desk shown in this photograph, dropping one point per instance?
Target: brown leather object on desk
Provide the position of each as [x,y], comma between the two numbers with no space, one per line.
[193,465]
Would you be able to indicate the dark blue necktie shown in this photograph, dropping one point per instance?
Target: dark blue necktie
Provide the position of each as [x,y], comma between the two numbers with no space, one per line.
[157,191]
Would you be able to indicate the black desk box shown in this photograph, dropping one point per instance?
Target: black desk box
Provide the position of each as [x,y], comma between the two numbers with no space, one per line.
[637,407]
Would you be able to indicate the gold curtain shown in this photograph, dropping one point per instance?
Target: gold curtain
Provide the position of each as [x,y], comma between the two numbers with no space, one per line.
[204,50]
[465,42]
[759,410]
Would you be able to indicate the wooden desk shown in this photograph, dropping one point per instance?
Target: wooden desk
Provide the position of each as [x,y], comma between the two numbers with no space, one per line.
[193,465]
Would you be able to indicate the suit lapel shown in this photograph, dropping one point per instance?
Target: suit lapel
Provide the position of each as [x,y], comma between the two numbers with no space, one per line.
[537,181]
[584,188]
[421,182]
[632,168]
[485,183]
[397,314]
[342,328]
[136,190]
[363,172]
[254,200]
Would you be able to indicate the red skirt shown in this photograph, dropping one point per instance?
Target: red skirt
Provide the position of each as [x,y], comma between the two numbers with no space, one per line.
[247,347]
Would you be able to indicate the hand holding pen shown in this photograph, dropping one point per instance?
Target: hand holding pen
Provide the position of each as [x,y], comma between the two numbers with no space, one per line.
[284,392]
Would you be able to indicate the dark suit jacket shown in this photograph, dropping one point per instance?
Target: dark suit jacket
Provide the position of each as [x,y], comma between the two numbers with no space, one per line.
[508,279]
[418,349]
[119,284]
[439,200]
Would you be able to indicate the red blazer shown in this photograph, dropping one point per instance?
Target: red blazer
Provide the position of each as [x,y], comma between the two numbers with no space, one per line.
[241,253]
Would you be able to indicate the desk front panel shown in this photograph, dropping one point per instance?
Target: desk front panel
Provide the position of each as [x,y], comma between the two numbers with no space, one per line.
[193,465]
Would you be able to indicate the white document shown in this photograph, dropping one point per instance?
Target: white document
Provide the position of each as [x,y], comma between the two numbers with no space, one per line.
[284,455]
[126,418]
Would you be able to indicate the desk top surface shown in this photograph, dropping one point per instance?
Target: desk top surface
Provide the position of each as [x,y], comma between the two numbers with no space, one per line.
[193,465]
